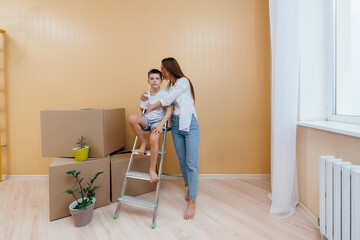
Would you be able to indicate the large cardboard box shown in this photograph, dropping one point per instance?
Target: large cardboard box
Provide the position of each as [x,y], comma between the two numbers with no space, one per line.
[59,182]
[119,164]
[104,130]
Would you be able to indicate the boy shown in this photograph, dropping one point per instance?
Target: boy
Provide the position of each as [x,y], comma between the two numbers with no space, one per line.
[155,120]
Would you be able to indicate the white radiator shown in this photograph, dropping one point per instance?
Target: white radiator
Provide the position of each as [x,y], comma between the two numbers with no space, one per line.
[339,197]
[355,204]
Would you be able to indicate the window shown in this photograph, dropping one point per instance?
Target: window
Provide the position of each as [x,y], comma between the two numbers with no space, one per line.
[345,97]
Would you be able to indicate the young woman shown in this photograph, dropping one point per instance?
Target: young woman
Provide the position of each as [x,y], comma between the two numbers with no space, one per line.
[185,128]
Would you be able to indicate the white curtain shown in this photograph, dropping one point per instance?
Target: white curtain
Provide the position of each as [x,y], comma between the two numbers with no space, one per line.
[284,19]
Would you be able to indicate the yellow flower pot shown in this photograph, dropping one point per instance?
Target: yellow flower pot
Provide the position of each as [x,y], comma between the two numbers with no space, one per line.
[81,154]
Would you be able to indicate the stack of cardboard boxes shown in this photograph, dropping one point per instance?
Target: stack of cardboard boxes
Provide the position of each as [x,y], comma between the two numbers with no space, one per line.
[104,130]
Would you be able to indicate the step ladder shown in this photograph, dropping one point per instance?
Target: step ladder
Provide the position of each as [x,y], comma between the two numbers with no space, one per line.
[142,176]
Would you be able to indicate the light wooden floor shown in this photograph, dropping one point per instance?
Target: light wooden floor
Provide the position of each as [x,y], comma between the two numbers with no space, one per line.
[226,209]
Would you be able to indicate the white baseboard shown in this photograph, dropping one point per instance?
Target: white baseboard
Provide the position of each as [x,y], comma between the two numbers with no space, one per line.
[24,177]
[170,176]
[308,214]
[234,176]
[222,176]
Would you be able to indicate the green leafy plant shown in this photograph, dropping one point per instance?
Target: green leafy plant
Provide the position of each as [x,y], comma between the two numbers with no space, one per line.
[87,194]
[81,142]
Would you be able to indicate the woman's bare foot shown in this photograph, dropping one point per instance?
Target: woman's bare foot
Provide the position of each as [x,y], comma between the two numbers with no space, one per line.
[187,196]
[153,176]
[142,148]
[190,211]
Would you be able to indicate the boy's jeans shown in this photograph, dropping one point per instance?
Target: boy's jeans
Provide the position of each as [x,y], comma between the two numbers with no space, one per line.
[187,150]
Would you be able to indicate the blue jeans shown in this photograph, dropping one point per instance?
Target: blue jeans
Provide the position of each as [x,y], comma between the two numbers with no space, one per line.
[187,150]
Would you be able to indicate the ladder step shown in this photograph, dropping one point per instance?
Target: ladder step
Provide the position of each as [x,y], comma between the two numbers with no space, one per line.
[138,175]
[147,152]
[137,201]
[149,131]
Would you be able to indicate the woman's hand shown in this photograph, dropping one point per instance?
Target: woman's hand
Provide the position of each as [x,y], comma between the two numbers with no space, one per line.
[158,129]
[153,106]
[143,97]
[149,109]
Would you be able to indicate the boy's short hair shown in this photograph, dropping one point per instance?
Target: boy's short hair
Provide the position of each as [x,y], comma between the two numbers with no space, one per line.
[154,71]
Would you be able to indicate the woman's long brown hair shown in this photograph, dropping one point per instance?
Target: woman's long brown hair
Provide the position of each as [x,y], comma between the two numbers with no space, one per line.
[174,69]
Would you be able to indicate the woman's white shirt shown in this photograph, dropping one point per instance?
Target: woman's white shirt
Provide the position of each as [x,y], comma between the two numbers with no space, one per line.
[181,98]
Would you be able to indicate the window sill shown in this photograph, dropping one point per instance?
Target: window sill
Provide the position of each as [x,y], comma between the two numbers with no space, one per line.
[331,126]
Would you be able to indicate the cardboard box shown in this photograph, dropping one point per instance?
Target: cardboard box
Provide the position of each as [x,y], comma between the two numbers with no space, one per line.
[119,164]
[104,130]
[59,182]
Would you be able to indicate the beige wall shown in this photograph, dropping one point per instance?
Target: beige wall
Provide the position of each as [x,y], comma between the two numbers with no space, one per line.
[312,143]
[96,54]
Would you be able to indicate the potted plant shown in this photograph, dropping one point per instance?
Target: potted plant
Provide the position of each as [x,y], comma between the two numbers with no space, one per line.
[82,209]
[81,153]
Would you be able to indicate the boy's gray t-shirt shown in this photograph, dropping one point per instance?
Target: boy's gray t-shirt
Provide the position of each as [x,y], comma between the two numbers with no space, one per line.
[157,114]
